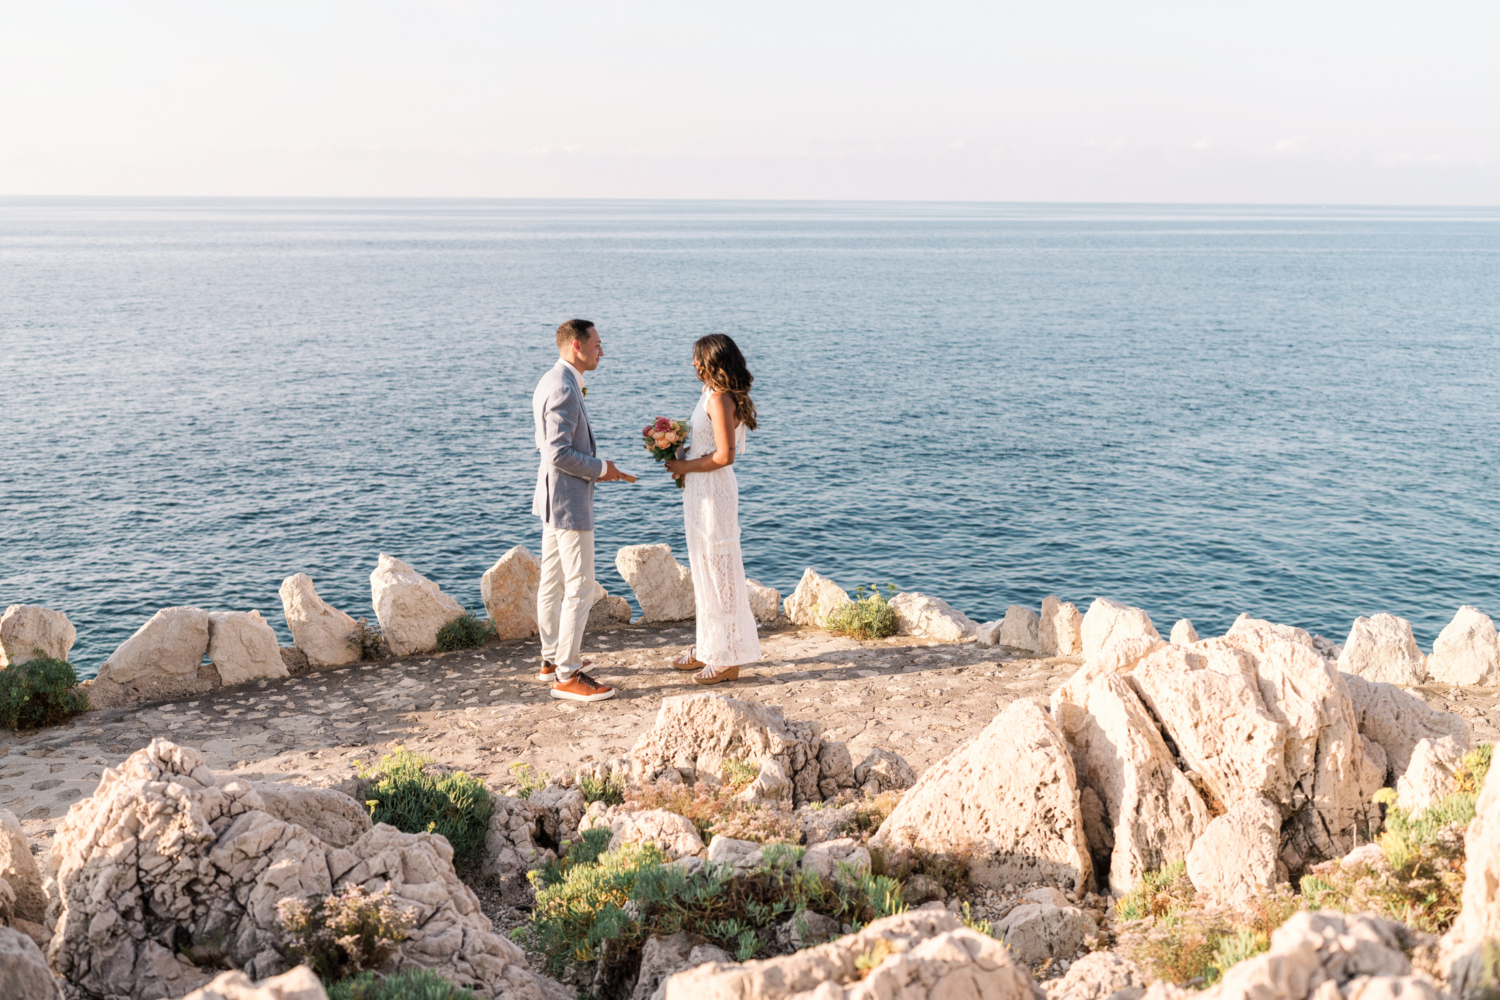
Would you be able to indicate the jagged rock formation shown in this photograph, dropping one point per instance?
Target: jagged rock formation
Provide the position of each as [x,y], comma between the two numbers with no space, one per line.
[814,598]
[1099,975]
[324,634]
[1467,651]
[1108,622]
[410,607]
[23,969]
[164,852]
[508,590]
[932,618]
[1381,648]
[765,602]
[299,984]
[1020,629]
[1060,630]
[663,586]
[1008,799]
[19,870]
[243,647]
[930,956]
[27,628]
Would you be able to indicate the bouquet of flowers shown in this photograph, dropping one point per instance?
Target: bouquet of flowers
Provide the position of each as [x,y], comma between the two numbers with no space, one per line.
[664,439]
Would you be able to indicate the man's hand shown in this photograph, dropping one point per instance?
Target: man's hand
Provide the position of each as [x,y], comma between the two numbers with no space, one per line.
[611,474]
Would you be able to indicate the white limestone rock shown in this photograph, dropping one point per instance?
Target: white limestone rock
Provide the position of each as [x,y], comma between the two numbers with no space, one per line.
[1322,955]
[835,768]
[1009,796]
[606,611]
[326,813]
[988,633]
[1153,811]
[1183,633]
[1478,925]
[163,660]
[827,857]
[560,811]
[19,869]
[932,618]
[243,647]
[325,634]
[162,849]
[508,590]
[1118,658]
[1209,702]
[411,608]
[765,602]
[1060,631]
[1037,932]
[771,786]
[663,586]
[299,984]
[1019,629]
[1109,621]
[1467,651]
[1428,779]
[742,855]
[674,834]
[698,733]
[27,628]
[1099,975]
[1329,799]
[815,597]
[1381,648]
[884,771]
[1257,634]
[662,957]
[23,969]
[1398,720]
[930,956]
[509,845]
[1236,857]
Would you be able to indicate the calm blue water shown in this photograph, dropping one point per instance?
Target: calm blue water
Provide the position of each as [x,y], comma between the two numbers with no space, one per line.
[1202,411]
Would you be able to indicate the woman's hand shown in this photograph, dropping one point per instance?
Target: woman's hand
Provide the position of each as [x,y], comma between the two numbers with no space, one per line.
[676,466]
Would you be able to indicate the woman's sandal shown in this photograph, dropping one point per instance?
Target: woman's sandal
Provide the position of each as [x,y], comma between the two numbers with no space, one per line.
[689,660]
[713,675]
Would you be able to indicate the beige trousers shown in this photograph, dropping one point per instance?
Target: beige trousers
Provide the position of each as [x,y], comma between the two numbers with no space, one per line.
[562,596]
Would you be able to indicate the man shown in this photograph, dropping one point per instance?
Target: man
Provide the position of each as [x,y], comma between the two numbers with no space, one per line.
[564,501]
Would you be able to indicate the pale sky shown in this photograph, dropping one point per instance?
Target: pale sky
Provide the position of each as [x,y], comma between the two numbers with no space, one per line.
[1305,102]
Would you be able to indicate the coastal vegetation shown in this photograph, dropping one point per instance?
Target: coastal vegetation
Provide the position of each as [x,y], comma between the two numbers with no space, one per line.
[40,692]
[412,984]
[464,632]
[411,793]
[864,617]
[344,933]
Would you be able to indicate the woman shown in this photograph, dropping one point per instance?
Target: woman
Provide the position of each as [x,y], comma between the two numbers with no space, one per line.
[710,507]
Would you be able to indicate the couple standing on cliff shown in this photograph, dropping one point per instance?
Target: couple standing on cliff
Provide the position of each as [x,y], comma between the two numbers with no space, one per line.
[564,501]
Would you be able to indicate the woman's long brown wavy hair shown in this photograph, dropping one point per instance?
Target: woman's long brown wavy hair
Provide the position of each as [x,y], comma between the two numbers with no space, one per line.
[722,367]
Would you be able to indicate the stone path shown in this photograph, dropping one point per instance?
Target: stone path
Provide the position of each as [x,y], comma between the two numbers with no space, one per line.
[483,710]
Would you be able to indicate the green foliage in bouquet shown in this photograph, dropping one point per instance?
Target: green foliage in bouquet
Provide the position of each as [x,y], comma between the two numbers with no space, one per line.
[864,617]
[464,632]
[407,794]
[39,692]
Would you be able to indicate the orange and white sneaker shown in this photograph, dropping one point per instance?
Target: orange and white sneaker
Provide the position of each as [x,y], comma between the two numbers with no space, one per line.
[548,672]
[582,687]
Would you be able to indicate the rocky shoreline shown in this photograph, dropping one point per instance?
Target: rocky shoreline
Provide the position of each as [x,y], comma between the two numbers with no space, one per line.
[1060,757]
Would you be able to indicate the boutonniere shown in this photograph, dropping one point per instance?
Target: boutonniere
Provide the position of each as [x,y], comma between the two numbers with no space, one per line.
[585,390]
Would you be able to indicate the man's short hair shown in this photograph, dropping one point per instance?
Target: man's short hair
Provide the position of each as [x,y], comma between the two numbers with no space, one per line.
[574,329]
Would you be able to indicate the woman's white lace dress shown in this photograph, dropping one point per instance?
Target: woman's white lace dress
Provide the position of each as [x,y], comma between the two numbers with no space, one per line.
[711,512]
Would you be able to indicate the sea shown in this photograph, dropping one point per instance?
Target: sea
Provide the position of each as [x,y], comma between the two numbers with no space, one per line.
[1291,411]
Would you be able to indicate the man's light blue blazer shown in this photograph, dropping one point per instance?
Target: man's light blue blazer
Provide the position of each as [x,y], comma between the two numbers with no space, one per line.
[564,495]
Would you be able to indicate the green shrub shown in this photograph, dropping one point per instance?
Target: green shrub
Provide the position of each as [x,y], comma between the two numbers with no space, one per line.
[39,692]
[864,617]
[624,896]
[372,644]
[342,934]
[606,790]
[522,773]
[410,797]
[464,632]
[413,984]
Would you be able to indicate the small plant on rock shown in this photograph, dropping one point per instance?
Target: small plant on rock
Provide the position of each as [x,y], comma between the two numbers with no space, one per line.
[464,632]
[39,692]
[407,792]
[344,933]
[606,790]
[527,784]
[413,984]
[739,774]
[715,811]
[372,644]
[865,617]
